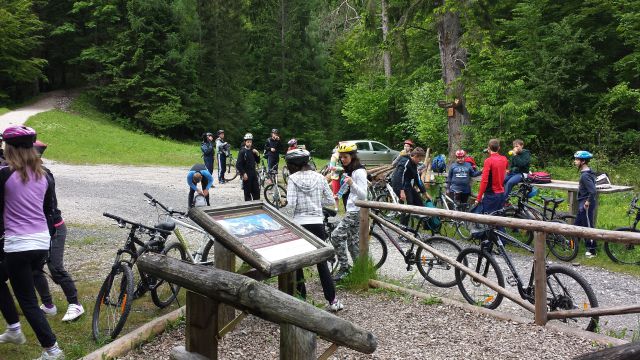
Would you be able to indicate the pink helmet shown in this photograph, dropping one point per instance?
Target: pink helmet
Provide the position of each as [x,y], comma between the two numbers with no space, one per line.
[460,153]
[19,136]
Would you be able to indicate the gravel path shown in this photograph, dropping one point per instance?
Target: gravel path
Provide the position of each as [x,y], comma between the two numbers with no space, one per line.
[86,191]
[59,99]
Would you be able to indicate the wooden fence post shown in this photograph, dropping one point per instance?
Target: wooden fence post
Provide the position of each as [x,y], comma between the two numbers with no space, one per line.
[364,233]
[540,277]
[295,343]
[224,260]
[201,333]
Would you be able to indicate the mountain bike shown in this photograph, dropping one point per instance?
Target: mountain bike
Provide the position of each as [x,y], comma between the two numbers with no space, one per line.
[435,270]
[566,289]
[113,302]
[383,192]
[261,171]
[274,193]
[230,171]
[190,233]
[562,247]
[443,201]
[626,253]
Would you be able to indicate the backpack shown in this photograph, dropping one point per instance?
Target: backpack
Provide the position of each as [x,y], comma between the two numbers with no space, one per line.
[433,223]
[199,200]
[472,161]
[540,177]
[439,164]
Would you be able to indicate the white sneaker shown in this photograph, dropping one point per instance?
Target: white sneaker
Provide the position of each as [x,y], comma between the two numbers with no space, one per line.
[335,306]
[49,311]
[13,337]
[589,255]
[73,312]
[46,356]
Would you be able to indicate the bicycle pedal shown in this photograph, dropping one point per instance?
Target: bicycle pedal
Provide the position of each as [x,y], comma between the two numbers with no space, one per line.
[511,280]
[409,267]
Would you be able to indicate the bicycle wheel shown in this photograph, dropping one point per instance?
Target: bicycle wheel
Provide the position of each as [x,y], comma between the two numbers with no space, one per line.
[163,293]
[563,247]
[568,290]
[207,254]
[525,236]
[463,228]
[285,174]
[113,304]
[276,196]
[474,291]
[377,250]
[434,269]
[387,214]
[230,172]
[623,253]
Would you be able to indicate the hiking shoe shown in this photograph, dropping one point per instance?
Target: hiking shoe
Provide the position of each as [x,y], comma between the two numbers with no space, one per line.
[73,312]
[46,356]
[13,337]
[49,311]
[341,274]
[335,306]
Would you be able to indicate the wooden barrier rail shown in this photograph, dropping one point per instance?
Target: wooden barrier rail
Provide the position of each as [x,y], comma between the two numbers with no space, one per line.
[259,299]
[540,229]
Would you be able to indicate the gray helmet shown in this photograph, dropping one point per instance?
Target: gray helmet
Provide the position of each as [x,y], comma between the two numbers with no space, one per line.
[248,136]
[297,157]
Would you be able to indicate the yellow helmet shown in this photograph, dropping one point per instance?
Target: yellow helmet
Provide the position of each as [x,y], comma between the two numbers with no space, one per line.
[347,147]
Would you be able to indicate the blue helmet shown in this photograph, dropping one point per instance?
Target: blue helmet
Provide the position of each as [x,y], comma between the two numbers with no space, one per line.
[582,155]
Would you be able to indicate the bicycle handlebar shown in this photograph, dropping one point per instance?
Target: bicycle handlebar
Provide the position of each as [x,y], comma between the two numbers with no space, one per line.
[135,224]
[165,208]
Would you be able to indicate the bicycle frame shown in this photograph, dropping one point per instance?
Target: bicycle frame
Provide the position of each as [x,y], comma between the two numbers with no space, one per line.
[184,243]
[409,255]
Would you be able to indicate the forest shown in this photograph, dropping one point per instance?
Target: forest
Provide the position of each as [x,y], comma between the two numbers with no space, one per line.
[561,75]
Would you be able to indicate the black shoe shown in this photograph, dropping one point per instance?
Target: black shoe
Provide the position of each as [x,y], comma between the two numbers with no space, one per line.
[341,274]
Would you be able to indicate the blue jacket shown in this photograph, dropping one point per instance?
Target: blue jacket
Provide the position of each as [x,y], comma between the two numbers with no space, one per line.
[587,187]
[459,178]
[202,170]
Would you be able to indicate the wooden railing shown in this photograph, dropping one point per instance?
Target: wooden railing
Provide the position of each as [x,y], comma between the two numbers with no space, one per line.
[540,229]
[300,321]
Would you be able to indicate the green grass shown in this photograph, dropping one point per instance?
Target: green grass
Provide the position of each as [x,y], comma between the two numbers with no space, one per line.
[4,110]
[358,279]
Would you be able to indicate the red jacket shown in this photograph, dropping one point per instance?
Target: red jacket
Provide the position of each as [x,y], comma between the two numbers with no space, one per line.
[493,173]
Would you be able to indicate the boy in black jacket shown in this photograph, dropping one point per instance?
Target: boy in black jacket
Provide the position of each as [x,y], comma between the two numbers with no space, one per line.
[272,150]
[586,196]
[246,166]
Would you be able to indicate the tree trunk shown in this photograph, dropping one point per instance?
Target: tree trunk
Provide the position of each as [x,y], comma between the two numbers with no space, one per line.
[386,54]
[453,59]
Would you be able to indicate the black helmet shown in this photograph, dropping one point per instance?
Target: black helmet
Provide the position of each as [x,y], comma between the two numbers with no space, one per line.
[220,132]
[297,157]
[274,131]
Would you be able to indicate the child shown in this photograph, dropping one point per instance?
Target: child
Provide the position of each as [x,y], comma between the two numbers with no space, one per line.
[246,166]
[586,196]
[518,165]
[459,179]
[293,144]
[406,177]
[491,192]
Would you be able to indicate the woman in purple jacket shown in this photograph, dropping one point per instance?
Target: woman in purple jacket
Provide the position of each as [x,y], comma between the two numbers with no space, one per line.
[25,204]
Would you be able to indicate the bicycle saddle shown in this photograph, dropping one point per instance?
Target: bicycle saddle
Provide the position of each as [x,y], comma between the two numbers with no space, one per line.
[553,200]
[167,226]
[329,212]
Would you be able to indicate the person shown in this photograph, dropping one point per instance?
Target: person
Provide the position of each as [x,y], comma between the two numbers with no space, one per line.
[491,192]
[55,264]
[293,144]
[405,178]
[345,235]
[1,152]
[223,149]
[272,150]
[461,173]
[586,196]
[336,169]
[518,165]
[406,150]
[26,205]
[248,157]
[207,151]
[199,174]
[307,192]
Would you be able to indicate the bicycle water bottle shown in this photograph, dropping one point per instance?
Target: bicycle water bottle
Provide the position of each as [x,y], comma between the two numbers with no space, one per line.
[343,189]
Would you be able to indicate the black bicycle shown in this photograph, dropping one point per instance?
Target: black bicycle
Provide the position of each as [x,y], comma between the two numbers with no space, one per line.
[274,193]
[626,253]
[113,302]
[566,289]
[230,171]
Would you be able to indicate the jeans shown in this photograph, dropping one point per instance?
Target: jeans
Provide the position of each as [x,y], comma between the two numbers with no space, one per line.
[21,266]
[59,275]
[585,218]
[509,182]
[272,161]
[222,166]
[492,202]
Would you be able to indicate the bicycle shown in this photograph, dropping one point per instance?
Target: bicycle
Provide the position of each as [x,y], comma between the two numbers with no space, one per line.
[626,253]
[443,201]
[113,302]
[230,172]
[562,247]
[566,289]
[203,255]
[261,171]
[274,193]
[383,192]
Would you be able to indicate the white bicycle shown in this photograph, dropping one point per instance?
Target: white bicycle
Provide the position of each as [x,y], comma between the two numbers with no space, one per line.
[190,235]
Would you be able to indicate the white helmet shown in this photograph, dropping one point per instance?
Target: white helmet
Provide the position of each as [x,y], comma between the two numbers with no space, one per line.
[248,136]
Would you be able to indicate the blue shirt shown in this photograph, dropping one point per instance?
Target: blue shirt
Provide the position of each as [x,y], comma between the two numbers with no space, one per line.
[459,177]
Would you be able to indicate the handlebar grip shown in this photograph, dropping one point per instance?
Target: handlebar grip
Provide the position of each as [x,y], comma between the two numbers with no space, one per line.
[114,217]
[148,196]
